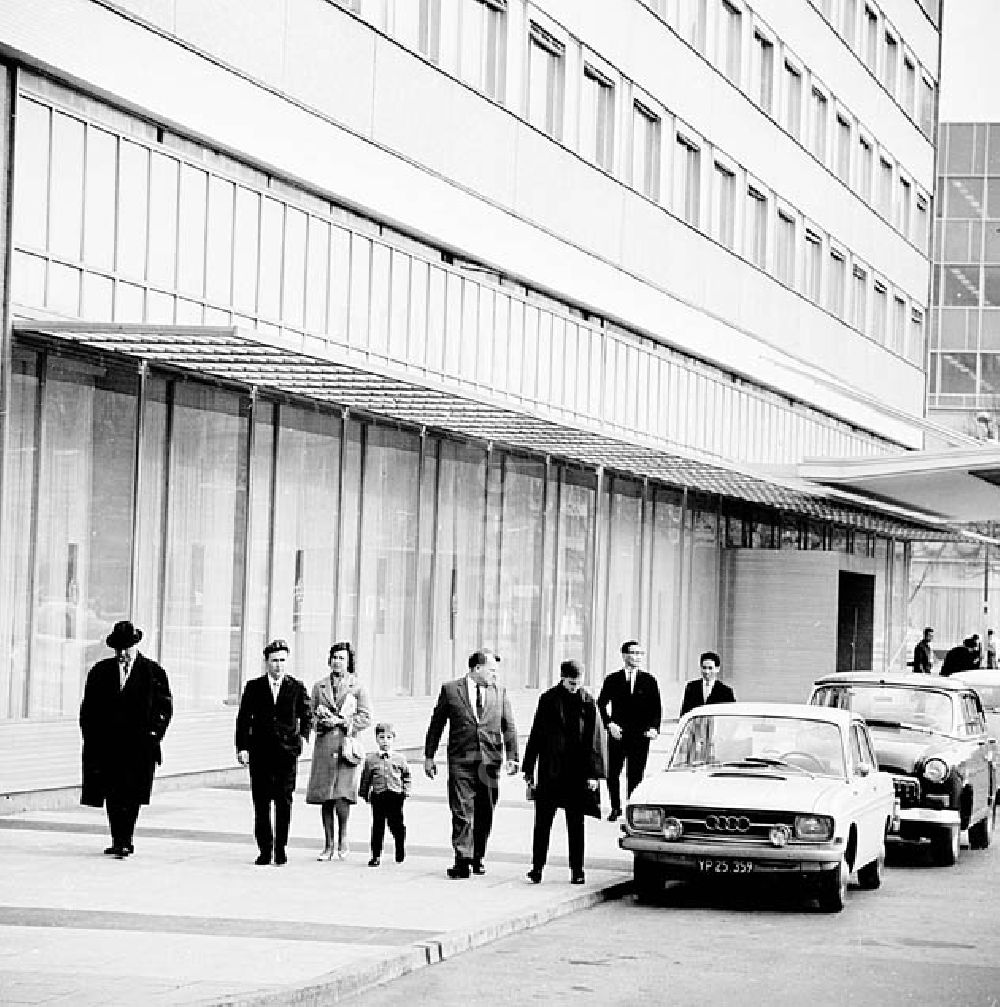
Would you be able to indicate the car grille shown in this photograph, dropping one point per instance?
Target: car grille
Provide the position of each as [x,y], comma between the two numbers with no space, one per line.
[907,791]
[730,824]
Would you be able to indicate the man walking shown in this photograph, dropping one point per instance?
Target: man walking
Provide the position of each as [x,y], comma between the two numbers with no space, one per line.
[480,730]
[707,688]
[923,654]
[629,704]
[123,717]
[272,723]
[565,743]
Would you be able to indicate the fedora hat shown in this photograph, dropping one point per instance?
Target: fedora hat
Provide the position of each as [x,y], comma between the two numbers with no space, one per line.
[123,635]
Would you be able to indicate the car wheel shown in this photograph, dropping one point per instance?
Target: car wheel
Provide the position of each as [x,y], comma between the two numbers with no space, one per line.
[870,876]
[981,834]
[833,889]
[647,880]
[945,846]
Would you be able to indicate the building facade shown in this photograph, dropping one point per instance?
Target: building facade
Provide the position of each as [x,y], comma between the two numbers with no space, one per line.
[433,323]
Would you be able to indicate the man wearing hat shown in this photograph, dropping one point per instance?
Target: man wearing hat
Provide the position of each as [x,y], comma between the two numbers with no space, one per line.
[124,714]
[273,721]
[480,728]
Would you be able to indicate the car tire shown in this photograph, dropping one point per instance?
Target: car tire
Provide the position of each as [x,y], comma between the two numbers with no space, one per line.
[945,844]
[981,834]
[833,889]
[870,876]
[647,880]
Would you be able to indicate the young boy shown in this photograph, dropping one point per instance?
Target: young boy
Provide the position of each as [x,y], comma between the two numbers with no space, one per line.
[385,784]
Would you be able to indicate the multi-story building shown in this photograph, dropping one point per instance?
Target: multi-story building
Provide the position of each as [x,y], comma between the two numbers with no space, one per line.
[433,323]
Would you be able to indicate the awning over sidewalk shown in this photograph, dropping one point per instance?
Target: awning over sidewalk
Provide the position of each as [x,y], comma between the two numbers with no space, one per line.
[362,382]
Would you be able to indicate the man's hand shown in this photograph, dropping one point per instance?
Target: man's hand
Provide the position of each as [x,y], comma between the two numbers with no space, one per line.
[614,730]
[592,784]
[511,766]
[652,733]
[242,758]
[429,768]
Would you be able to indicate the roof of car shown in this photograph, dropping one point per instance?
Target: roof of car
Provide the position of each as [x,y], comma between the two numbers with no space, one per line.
[802,711]
[911,679]
[978,676]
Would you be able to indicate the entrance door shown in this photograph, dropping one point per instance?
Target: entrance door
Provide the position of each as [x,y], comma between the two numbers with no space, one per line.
[855,616]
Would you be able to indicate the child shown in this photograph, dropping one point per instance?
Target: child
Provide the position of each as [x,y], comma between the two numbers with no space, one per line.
[385,784]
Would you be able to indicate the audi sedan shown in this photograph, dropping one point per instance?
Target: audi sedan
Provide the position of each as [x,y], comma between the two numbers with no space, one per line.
[787,793]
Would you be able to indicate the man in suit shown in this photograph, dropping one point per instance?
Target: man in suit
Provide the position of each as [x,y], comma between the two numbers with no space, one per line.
[707,688]
[960,658]
[923,653]
[480,729]
[124,715]
[629,704]
[565,743]
[273,721]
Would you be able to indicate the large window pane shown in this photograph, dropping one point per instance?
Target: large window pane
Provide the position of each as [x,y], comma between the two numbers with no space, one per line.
[191,231]
[163,221]
[964,198]
[219,255]
[31,176]
[133,195]
[66,220]
[624,567]
[99,200]
[246,242]
[575,568]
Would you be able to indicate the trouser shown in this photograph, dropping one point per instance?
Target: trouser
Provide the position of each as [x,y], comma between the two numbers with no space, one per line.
[122,817]
[269,785]
[545,813]
[473,790]
[632,751]
[387,809]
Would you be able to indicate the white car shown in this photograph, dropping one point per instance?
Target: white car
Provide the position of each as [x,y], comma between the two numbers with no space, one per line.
[772,790]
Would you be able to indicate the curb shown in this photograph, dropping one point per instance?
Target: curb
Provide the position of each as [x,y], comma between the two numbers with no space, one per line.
[357,977]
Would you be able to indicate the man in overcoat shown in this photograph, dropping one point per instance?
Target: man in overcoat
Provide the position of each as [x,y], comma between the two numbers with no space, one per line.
[563,762]
[272,723]
[707,689]
[481,729]
[629,704]
[124,715]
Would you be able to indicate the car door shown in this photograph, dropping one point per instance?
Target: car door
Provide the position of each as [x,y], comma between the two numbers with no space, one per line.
[870,789]
[980,761]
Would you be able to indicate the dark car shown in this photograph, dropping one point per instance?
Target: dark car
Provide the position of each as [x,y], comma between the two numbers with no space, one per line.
[930,733]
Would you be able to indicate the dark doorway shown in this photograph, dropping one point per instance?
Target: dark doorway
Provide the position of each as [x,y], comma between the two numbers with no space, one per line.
[855,615]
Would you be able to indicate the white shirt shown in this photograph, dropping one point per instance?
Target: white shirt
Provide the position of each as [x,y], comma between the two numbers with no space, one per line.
[630,678]
[706,689]
[124,669]
[275,686]
[471,686]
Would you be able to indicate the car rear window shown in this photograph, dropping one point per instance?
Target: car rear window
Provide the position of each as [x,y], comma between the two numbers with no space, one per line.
[890,704]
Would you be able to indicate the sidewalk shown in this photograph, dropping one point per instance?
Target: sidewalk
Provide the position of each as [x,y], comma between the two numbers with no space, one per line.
[190,920]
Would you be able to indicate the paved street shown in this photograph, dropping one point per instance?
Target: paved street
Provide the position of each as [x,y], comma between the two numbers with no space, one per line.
[928,937]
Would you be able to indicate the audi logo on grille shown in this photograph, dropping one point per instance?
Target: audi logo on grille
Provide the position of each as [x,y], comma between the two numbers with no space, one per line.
[727,823]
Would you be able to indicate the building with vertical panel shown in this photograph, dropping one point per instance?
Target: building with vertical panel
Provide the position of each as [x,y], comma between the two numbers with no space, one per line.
[433,323]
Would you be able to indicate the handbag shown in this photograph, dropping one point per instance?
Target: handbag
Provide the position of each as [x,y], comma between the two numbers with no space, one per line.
[351,750]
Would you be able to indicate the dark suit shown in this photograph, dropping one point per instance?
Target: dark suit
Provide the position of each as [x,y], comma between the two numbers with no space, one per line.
[122,729]
[635,711]
[475,754]
[923,658]
[565,743]
[273,734]
[959,658]
[694,695]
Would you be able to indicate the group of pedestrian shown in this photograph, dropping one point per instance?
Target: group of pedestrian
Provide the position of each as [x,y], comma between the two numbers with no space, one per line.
[127,707]
[966,656]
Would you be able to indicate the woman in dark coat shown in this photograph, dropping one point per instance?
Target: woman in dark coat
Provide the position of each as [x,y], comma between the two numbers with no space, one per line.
[124,714]
[565,743]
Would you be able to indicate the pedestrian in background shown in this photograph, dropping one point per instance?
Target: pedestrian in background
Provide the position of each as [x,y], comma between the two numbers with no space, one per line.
[563,762]
[385,785]
[629,705]
[991,650]
[923,653]
[707,688]
[481,729]
[977,651]
[272,723]
[341,710]
[124,715]
[960,658]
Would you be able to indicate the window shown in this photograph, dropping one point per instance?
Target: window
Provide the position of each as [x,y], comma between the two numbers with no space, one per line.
[871,39]
[898,336]
[849,22]
[484,46]
[793,100]
[757,227]
[865,167]
[689,172]
[890,66]
[545,81]
[725,205]
[429,29]
[731,42]
[597,119]
[645,151]
[922,222]
[813,274]
[909,86]
[926,108]
[784,264]
[693,20]
[880,307]
[885,187]
[859,299]
[915,347]
[905,206]
[819,120]
[763,71]
[843,150]
[837,285]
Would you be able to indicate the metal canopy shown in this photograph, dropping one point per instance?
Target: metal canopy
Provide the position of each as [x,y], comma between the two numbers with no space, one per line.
[327,372]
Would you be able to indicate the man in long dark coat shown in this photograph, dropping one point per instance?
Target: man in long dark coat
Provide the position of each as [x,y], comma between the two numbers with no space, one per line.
[564,747]
[125,712]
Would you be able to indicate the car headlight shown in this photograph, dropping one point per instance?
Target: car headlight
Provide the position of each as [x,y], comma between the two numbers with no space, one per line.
[643,817]
[936,771]
[816,828]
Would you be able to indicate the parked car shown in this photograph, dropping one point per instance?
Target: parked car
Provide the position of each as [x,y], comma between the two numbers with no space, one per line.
[786,792]
[986,682]
[930,734]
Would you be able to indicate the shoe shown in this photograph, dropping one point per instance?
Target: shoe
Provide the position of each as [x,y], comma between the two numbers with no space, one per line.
[263,860]
[478,867]
[374,862]
[342,853]
[577,879]
[327,853]
[535,877]
[616,813]
[400,853]
[460,869]
[128,850]
[112,851]
[280,859]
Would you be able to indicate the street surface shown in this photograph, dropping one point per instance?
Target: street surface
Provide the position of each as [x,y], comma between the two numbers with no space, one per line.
[928,937]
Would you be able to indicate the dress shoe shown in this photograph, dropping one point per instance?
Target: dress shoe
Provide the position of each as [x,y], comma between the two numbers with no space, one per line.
[577,879]
[400,853]
[460,869]
[535,877]
[112,851]
[327,853]
[374,862]
[342,853]
[263,860]
[616,813]
[478,867]
[280,858]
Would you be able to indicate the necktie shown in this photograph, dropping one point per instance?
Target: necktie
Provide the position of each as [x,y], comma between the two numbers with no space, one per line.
[124,668]
[479,702]
[385,755]
[628,675]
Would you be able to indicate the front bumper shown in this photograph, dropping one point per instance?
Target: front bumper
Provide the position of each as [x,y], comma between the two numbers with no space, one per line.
[684,856]
[928,816]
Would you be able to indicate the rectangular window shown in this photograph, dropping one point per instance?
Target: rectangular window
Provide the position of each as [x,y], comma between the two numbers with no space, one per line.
[819,123]
[859,299]
[597,119]
[813,274]
[764,72]
[693,20]
[849,22]
[545,81]
[926,108]
[905,206]
[880,308]
[689,171]
[645,151]
[865,167]
[793,100]
[890,66]
[915,347]
[922,221]
[909,86]
[885,188]
[898,343]
[871,39]
[784,264]
[837,286]
[429,29]
[843,150]
[484,46]
[731,42]
[757,227]
[725,205]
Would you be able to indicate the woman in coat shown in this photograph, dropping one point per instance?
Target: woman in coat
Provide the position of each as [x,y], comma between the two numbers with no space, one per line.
[340,709]
[563,762]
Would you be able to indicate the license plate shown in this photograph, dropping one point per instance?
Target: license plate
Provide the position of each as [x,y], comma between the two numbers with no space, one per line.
[711,865]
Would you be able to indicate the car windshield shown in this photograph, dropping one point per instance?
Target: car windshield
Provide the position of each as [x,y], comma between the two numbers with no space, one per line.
[886,705]
[989,695]
[760,740]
